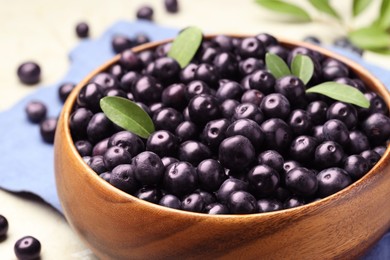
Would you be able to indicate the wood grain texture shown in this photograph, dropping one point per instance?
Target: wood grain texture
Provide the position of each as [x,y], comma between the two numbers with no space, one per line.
[116,225]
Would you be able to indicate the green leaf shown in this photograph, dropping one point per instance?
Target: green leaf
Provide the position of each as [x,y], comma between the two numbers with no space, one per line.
[302,66]
[341,92]
[370,38]
[127,115]
[325,7]
[185,45]
[384,14]
[285,8]
[276,65]
[359,6]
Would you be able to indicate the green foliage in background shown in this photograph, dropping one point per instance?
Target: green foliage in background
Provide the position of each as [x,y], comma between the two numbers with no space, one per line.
[374,37]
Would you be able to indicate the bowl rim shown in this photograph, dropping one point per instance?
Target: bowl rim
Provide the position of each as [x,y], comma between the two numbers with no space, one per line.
[119,195]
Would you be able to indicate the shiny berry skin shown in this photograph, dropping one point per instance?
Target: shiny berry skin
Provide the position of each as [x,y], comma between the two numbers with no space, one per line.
[292,88]
[123,177]
[377,105]
[289,165]
[105,176]
[130,60]
[281,51]
[116,155]
[206,73]
[170,201]
[207,55]
[293,202]
[105,81]
[302,148]
[167,119]
[263,81]
[128,80]
[36,111]
[317,111]
[99,127]
[301,181]
[149,169]
[120,43]
[27,248]
[196,87]
[335,130]
[318,133]
[193,152]
[145,13]
[226,65]
[380,150]
[223,42]
[141,38]
[251,47]
[228,108]
[180,178]
[250,65]
[193,202]
[127,140]
[211,174]
[29,73]
[263,180]
[203,108]
[171,6]
[115,92]
[214,133]
[166,70]
[332,180]
[267,39]
[358,142]
[83,147]
[248,111]
[186,130]
[216,209]
[174,96]
[253,96]
[377,128]
[147,90]
[151,194]
[371,156]
[272,159]
[356,166]
[64,91]
[3,226]
[187,74]
[89,96]
[97,164]
[248,128]
[328,154]
[228,187]
[101,147]
[268,205]
[236,152]
[242,202]
[47,129]
[163,143]
[168,161]
[332,72]
[82,30]
[300,122]
[343,112]
[229,90]
[278,135]
[275,105]
[208,197]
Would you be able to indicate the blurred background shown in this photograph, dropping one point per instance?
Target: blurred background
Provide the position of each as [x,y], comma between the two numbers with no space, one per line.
[44,31]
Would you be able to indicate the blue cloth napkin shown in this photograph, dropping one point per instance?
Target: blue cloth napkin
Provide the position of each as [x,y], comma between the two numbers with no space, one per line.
[26,162]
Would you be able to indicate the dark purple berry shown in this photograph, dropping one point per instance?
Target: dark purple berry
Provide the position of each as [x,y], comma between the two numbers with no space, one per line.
[149,169]
[328,154]
[229,90]
[196,87]
[228,108]
[252,96]
[216,209]
[97,164]
[248,128]
[151,194]
[301,181]
[263,179]
[187,74]
[267,39]
[302,148]
[203,108]
[193,202]
[337,131]
[242,202]
[343,112]
[356,166]
[332,180]
[64,91]
[300,122]
[275,105]
[116,155]
[123,177]
[101,147]
[293,202]
[82,30]
[89,97]
[206,73]
[278,135]
[193,152]
[163,143]
[29,73]
[377,128]
[168,161]
[292,88]
[180,178]
[251,47]
[250,65]
[248,111]
[174,96]
[228,187]
[226,65]
[358,142]
[211,174]
[170,201]
[145,13]
[47,129]
[147,90]
[263,81]
[36,111]
[214,133]
[371,156]
[236,152]
[171,6]
[317,111]
[268,205]
[99,127]
[83,147]
[3,226]
[167,119]
[120,43]
[141,38]
[272,159]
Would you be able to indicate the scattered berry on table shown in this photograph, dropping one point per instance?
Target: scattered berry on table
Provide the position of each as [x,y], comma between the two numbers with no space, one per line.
[29,73]
[172,6]
[145,13]
[27,248]
[36,111]
[82,30]
[3,226]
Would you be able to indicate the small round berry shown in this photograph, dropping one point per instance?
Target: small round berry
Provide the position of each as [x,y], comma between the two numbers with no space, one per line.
[248,111]
[64,91]
[170,201]
[371,156]
[318,133]
[174,96]
[328,154]
[380,150]
[272,159]
[203,108]
[167,119]
[97,164]
[343,112]
[165,69]
[279,50]
[141,38]
[223,42]
[149,169]
[216,209]
[331,72]
[242,202]
[36,111]
[116,155]
[105,176]
[120,43]
[275,105]
[301,181]
[206,73]
[89,97]
[268,205]
[187,74]
[292,88]
[293,202]
[145,13]
[180,178]
[289,165]
[127,140]
[82,30]
[250,65]
[196,87]
[27,248]
[228,187]
[267,39]
[105,81]
[229,90]
[147,90]
[208,54]
[317,111]
[300,122]
[193,202]
[151,194]
[128,80]
[47,129]
[377,105]
[332,180]
[251,47]
[171,6]
[302,148]
[163,143]
[168,161]
[337,131]
[101,147]
[186,130]
[263,179]
[29,73]
[3,226]
[263,81]
[356,166]
[248,128]
[252,96]
[99,127]
[377,128]
[236,152]
[228,108]
[211,174]
[193,152]
[208,197]
[278,135]
[130,60]
[123,177]
[214,132]
[226,65]
[83,147]
[358,142]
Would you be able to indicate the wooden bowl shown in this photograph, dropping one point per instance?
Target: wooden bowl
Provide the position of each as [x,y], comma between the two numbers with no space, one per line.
[116,225]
